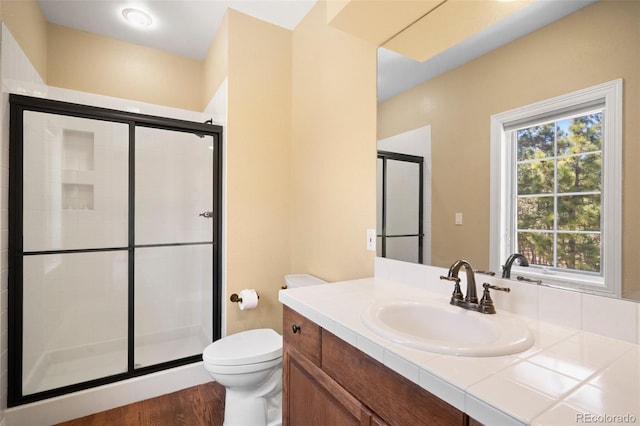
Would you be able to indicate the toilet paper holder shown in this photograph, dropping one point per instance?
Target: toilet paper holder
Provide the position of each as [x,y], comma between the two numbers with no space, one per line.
[237,299]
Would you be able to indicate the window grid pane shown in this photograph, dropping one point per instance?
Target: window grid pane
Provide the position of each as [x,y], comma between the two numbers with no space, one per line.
[558,192]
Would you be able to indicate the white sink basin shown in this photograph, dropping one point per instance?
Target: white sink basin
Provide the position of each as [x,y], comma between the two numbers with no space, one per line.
[447,329]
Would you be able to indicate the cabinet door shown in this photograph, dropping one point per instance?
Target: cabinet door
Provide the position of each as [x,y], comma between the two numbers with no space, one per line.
[377,421]
[311,398]
[474,422]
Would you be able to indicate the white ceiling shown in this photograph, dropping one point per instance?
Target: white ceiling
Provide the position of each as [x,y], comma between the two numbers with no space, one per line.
[183,27]
[187,28]
[397,73]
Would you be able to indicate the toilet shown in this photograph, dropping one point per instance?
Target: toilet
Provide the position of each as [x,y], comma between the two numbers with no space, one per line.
[249,365]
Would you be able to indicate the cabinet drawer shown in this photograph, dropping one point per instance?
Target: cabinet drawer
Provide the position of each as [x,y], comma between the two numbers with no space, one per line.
[302,333]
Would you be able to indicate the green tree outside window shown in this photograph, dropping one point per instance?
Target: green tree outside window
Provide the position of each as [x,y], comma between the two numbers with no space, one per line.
[559,185]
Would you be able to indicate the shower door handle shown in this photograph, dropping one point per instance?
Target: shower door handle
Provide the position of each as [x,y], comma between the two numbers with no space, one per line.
[206,214]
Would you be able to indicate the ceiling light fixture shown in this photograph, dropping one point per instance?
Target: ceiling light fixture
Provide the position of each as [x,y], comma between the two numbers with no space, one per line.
[136,17]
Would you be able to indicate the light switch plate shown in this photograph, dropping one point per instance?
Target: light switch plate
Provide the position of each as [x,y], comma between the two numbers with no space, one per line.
[371,240]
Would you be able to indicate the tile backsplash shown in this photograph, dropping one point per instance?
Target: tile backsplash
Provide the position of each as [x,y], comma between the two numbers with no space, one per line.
[619,319]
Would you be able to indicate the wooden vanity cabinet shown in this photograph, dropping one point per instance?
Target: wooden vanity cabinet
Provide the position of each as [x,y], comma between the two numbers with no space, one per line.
[310,397]
[326,381]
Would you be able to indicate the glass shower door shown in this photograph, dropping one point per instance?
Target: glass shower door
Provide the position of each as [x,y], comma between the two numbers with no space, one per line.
[74,262]
[173,245]
[400,206]
[114,258]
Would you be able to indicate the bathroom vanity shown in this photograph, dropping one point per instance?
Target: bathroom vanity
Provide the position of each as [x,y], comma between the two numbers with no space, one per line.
[336,370]
[348,386]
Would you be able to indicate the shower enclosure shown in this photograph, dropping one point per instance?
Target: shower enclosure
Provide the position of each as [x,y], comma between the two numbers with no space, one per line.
[114,245]
[400,203]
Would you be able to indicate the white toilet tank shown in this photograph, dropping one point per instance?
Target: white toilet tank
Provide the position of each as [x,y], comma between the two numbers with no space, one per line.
[302,280]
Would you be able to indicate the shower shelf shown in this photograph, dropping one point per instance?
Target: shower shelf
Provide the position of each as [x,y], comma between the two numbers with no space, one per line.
[77,170]
[76,196]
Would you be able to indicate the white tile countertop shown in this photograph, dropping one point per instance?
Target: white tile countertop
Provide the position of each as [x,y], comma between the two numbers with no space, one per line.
[569,376]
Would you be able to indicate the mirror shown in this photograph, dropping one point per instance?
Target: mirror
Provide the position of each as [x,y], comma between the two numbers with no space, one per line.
[455,95]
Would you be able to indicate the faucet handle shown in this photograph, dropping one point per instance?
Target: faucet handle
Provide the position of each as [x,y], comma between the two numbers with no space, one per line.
[529,280]
[495,287]
[490,273]
[486,305]
[457,292]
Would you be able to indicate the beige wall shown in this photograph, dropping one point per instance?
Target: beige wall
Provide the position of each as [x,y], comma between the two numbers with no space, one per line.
[27,23]
[257,167]
[597,44]
[333,153]
[300,157]
[91,63]
[216,64]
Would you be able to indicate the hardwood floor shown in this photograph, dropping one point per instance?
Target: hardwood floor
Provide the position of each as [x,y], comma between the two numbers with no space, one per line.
[197,406]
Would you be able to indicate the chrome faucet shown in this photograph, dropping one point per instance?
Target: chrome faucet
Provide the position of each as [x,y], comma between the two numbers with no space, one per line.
[470,301]
[506,269]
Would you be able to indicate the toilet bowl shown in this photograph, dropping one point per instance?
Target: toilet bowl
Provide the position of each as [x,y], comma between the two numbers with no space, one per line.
[249,365]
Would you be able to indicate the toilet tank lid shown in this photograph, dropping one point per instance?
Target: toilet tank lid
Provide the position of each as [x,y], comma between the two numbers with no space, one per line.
[302,280]
[245,347]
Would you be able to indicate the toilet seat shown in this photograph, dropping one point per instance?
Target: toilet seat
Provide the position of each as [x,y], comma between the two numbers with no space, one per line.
[242,369]
[247,347]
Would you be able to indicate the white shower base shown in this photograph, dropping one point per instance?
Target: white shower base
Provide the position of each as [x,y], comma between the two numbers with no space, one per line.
[75,365]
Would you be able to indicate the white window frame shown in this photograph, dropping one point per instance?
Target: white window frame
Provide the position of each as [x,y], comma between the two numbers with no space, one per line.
[503,167]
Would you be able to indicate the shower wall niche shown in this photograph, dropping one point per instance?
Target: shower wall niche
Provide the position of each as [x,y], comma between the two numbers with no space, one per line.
[78,149]
[113,270]
[77,157]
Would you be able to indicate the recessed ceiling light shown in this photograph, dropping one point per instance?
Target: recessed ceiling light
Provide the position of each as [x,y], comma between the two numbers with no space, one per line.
[137,17]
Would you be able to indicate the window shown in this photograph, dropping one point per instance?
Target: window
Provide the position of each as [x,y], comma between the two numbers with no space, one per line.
[556,188]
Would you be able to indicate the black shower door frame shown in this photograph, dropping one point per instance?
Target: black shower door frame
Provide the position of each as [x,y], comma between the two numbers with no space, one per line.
[18,105]
[384,234]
